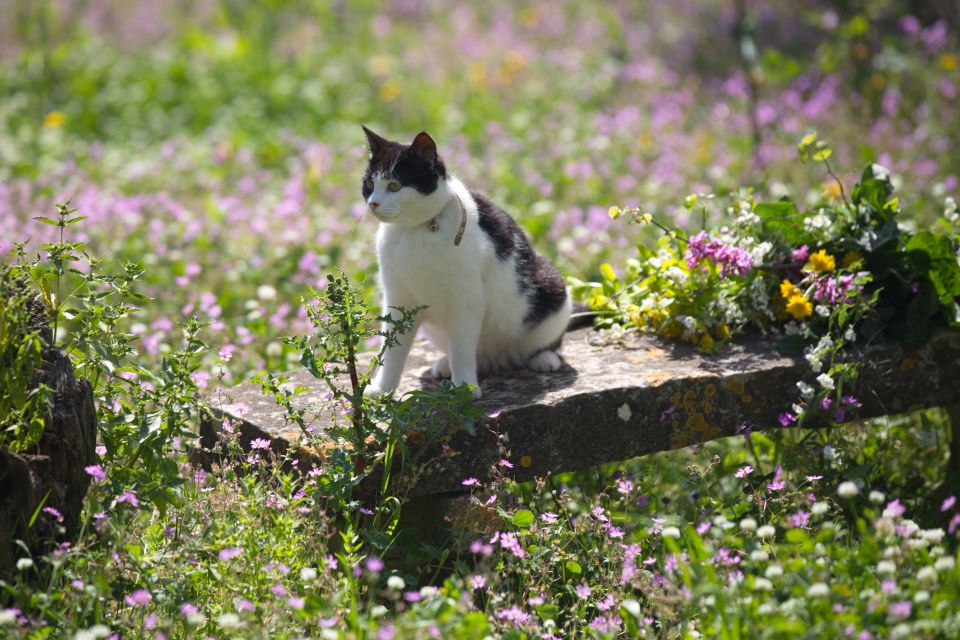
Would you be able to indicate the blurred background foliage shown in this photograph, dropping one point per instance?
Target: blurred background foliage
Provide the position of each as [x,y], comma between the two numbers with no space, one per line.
[218,143]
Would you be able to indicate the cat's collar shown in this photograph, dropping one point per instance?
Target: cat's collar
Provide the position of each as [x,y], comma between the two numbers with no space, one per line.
[434,224]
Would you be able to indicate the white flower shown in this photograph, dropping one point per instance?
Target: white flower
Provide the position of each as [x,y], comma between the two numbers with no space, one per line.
[766,531]
[886,567]
[885,526]
[825,381]
[7,616]
[877,497]
[945,563]
[806,391]
[762,584]
[748,524]
[879,171]
[818,590]
[308,573]
[921,596]
[396,583]
[847,490]
[850,335]
[932,535]
[927,574]
[902,630]
[24,563]
[767,608]
[773,571]
[822,310]
[266,292]
[229,621]
[670,532]
[428,592]
[274,349]
[759,555]
[819,508]
[816,364]
[196,619]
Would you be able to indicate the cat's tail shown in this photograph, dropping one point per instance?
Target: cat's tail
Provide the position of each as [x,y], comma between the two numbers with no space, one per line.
[581,317]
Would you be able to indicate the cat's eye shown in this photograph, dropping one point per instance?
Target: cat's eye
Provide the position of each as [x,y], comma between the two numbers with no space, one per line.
[368,185]
[394,186]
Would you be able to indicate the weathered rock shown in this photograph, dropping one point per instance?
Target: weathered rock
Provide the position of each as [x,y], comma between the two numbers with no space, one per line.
[612,403]
[51,472]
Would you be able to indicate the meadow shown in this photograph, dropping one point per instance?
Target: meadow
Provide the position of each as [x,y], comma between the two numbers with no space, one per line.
[214,152]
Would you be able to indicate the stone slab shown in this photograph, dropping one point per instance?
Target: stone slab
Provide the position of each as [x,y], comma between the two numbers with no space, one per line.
[612,403]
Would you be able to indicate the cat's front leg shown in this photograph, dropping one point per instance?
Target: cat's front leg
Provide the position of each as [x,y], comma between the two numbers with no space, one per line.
[464,332]
[391,369]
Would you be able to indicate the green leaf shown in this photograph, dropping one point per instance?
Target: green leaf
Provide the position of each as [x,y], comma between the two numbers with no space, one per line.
[572,568]
[46,220]
[796,536]
[523,518]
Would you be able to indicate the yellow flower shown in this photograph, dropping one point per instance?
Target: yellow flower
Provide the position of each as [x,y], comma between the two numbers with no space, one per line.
[948,62]
[799,307]
[706,342]
[821,261]
[54,119]
[832,189]
[723,332]
[788,290]
[850,258]
[389,91]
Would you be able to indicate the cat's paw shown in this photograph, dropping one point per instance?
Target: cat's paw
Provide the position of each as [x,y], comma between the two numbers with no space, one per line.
[373,390]
[545,361]
[441,368]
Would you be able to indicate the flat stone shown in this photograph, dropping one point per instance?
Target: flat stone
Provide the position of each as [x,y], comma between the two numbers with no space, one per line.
[612,403]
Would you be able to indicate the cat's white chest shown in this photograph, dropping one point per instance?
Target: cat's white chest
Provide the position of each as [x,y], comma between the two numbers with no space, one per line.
[427,267]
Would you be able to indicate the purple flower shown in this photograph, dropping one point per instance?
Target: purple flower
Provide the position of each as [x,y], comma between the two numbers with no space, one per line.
[260,443]
[245,605]
[374,564]
[777,484]
[583,591]
[478,582]
[508,540]
[188,608]
[894,509]
[96,472]
[744,471]
[506,464]
[614,532]
[129,497]
[813,478]
[295,602]
[786,419]
[412,596]
[150,622]
[139,598]
[851,401]
[513,615]
[228,553]
[53,512]
[901,609]
[948,503]
[278,590]
[549,517]
[800,519]
[470,482]
[801,254]
[730,259]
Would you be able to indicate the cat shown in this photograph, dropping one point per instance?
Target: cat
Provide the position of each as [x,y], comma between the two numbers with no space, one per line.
[491,301]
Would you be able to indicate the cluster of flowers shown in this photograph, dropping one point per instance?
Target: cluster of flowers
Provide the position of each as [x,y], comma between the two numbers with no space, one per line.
[818,281]
[729,258]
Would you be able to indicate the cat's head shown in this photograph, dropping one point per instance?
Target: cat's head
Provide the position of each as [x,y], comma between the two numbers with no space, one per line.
[404,183]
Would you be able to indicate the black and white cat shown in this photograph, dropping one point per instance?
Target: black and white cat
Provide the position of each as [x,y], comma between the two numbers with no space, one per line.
[491,302]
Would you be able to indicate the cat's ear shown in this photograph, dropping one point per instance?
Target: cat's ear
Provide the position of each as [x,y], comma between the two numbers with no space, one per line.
[376,142]
[424,146]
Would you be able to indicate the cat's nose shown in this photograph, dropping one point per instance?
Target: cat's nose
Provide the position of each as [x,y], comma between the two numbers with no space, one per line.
[374,205]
